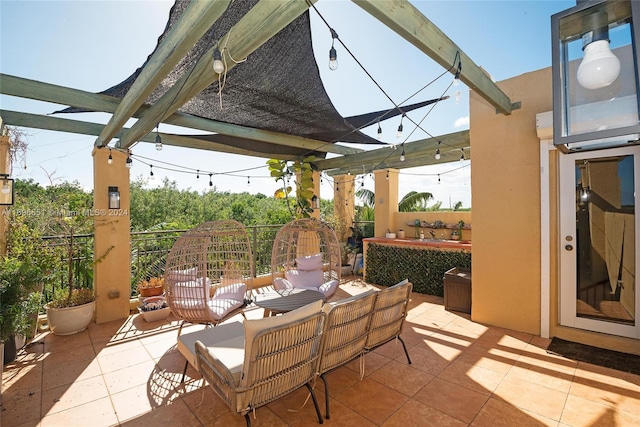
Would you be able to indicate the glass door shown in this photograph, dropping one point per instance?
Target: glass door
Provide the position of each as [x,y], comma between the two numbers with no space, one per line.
[598,241]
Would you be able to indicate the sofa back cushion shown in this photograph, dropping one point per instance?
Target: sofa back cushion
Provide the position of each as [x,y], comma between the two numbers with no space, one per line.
[389,312]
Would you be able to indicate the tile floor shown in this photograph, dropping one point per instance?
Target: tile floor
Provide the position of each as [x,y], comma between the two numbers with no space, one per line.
[127,373]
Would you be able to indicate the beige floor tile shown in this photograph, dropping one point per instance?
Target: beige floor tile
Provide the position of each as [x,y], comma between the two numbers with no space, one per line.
[416,414]
[298,405]
[372,362]
[497,360]
[95,413]
[497,413]
[175,414]
[69,396]
[545,375]
[78,353]
[124,359]
[129,377]
[66,373]
[452,399]
[583,412]
[339,380]
[341,416]
[471,376]
[111,348]
[533,397]
[402,377]
[361,396]
[20,409]
[134,402]
[205,404]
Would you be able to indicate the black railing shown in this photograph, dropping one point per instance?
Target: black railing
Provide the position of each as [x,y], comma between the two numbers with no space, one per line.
[149,250]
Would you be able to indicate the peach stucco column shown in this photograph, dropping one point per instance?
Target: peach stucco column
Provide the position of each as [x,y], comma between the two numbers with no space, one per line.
[5,168]
[112,274]
[386,193]
[343,198]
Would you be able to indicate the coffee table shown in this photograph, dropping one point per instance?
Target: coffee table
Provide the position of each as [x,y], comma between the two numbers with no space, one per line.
[286,300]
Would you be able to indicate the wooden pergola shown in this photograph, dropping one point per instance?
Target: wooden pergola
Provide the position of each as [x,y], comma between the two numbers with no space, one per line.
[261,23]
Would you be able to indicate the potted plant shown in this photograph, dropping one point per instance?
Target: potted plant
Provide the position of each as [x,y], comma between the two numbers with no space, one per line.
[152,287]
[71,309]
[19,301]
[348,255]
[154,308]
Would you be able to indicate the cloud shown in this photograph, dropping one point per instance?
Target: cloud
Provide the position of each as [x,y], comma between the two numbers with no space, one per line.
[462,121]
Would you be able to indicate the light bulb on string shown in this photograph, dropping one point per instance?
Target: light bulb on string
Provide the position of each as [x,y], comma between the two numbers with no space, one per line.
[399,133]
[248,181]
[333,55]
[456,77]
[387,174]
[402,156]
[151,171]
[210,182]
[218,65]
[110,159]
[457,97]
[379,131]
[437,156]
[198,174]
[128,163]
[438,178]
[461,154]
[158,138]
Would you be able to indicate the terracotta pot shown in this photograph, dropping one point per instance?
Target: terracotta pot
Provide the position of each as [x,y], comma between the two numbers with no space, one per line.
[151,292]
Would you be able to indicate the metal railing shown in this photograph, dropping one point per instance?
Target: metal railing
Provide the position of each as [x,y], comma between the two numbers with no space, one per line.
[149,250]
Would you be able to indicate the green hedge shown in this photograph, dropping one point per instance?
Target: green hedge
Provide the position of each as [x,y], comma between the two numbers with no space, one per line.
[425,268]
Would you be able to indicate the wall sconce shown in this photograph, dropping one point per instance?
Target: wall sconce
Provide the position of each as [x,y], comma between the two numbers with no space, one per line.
[315,202]
[114,198]
[6,190]
[595,49]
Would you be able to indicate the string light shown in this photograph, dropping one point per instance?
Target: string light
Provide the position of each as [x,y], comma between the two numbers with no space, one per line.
[399,133]
[437,156]
[128,163]
[379,131]
[387,174]
[248,181]
[150,170]
[456,78]
[218,65]
[158,138]
[333,55]
[110,159]
[210,182]
[461,154]
[402,156]
[438,178]
[457,97]
[198,174]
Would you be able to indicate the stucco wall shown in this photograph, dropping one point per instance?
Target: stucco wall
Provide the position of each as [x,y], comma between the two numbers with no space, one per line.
[506,205]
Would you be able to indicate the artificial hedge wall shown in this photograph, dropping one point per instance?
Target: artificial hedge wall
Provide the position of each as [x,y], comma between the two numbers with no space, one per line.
[425,268]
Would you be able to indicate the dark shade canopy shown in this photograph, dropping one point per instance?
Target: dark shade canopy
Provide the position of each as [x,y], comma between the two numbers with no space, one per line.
[278,88]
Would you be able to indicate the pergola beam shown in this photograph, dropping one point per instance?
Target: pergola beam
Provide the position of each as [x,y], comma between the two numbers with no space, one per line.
[35,121]
[417,153]
[194,22]
[32,89]
[410,23]
[259,25]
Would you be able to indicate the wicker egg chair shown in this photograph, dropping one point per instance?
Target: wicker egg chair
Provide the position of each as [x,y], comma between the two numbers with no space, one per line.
[306,255]
[208,275]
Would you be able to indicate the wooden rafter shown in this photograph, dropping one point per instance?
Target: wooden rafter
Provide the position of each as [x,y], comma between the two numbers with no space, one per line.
[32,89]
[35,121]
[417,153]
[407,21]
[194,22]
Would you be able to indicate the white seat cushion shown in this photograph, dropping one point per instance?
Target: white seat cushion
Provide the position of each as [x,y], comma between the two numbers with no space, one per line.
[311,262]
[226,342]
[304,278]
[329,287]
[220,307]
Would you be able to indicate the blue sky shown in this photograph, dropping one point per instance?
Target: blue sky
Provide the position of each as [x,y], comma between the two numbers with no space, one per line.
[92,45]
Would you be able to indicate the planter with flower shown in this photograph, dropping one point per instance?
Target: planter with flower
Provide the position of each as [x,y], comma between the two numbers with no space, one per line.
[154,308]
[151,288]
[71,309]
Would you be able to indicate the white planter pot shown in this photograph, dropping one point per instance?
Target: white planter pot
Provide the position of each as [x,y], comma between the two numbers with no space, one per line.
[70,320]
[155,315]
